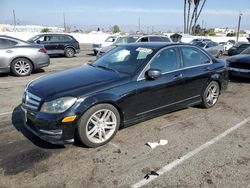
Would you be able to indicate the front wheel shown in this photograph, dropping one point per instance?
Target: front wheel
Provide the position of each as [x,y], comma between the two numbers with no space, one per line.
[98,125]
[210,95]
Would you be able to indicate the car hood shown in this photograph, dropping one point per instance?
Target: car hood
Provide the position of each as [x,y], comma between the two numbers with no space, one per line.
[75,82]
[241,58]
[107,48]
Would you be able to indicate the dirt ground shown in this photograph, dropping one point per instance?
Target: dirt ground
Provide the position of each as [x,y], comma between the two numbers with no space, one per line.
[27,161]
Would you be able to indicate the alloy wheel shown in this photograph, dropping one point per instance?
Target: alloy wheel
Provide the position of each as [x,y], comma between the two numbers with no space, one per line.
[22,67]
[101,126]
[212,94]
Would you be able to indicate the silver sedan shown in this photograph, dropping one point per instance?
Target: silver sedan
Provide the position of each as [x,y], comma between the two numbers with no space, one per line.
[20,57]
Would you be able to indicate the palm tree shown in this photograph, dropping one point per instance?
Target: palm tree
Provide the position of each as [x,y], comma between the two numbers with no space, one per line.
[197,17]
[189,8]
[194,15]
[185,16]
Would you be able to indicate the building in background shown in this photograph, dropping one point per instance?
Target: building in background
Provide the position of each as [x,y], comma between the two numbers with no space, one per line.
[27,28]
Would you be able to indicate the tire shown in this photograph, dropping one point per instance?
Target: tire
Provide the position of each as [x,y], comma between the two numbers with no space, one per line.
[210,95]
[91,129]
[69,52]
[21,67]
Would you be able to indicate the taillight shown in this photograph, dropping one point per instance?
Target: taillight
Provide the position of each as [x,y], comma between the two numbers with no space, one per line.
[42,50]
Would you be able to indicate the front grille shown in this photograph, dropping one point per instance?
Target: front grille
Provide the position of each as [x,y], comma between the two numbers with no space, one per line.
[31,101]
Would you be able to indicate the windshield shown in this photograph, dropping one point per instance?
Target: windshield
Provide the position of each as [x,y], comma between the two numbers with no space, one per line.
[125,40]
[238,44]
[246,51]
[33,38]
[125,59]
[199,44]
[110,39]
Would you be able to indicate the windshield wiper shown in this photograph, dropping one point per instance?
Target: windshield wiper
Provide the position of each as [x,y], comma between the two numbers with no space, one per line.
[107,68]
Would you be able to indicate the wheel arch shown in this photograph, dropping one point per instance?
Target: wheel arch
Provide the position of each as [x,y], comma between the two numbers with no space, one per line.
[32,63]
[91,102]
[66,47]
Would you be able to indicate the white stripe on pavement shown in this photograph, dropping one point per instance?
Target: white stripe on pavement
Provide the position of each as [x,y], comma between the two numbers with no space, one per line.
[179,161]
[7,113]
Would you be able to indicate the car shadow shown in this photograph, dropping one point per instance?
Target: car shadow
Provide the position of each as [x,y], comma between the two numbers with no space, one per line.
[17,122]
[240,80]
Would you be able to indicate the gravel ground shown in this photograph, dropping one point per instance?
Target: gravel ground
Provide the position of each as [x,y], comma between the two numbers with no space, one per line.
[27,161]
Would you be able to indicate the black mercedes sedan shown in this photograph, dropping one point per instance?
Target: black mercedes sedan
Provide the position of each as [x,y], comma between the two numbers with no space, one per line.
[129,84]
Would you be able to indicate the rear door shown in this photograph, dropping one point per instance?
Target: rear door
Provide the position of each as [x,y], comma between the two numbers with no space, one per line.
[6,52]
[197,68]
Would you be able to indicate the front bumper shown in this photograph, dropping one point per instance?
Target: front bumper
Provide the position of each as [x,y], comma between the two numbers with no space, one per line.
[245,73]
[5,70]
[49,127]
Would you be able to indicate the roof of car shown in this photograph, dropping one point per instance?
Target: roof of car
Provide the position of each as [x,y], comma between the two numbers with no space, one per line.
[53,34]
[155,45]
[13,38]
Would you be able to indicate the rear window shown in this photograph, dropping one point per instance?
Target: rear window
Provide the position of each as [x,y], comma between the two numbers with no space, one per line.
[5,43]
[193,57]
[159,39]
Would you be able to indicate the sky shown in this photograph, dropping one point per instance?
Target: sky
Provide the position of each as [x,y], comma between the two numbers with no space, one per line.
[161,14]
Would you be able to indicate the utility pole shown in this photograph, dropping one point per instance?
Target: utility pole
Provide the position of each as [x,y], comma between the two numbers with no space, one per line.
[64,23]
[139,24]
[238,30]
[14,17]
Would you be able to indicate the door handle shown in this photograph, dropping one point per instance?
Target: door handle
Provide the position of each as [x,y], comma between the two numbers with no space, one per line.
[9,51]
[177,76]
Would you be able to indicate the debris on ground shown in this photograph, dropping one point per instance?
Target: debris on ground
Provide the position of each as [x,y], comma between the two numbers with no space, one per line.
[155,144]
[151,173]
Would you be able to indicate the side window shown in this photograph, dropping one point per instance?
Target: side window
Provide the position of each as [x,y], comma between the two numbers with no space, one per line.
[166,61]
[193,57]
[55,38]
[5,43]
[215,44]
[144,39]
[165,39]
[155,39]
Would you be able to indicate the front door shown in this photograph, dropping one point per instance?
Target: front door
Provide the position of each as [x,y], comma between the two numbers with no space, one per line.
[165,91]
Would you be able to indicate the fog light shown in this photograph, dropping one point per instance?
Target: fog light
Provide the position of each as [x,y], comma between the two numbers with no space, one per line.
[69,119]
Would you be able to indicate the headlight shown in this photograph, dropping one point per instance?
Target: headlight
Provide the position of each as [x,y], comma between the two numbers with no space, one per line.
[58,105]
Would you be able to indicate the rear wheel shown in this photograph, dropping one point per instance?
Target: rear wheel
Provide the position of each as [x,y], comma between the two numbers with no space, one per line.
[21,67]
[98,125]
[210,95]
[69,52]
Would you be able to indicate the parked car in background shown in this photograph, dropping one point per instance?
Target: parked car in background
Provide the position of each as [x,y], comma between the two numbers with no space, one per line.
[239,65]
[200,40]
[238,48]
[246,51]
[131,83]
[121,40]
[212,47]
[20,57]
[130,39]
[57,44]
[226,46]
[109,41]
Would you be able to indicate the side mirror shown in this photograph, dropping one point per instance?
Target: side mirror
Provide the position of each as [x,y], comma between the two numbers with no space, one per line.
[152,74]
[38,41]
